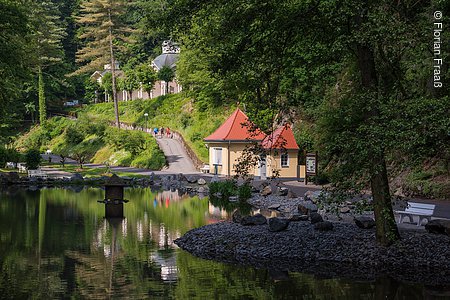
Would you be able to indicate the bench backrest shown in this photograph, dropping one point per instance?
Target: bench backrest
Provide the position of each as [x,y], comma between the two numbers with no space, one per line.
[420,208]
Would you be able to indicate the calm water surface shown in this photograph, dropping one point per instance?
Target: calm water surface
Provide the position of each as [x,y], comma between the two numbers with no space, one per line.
[56,243]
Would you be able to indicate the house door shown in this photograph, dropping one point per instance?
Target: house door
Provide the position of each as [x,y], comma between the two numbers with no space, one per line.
[262,167]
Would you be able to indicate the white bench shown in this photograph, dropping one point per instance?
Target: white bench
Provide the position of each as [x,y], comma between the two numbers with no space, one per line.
[205,169]
[10,165]
[22,167]
[37,173]
[423,211]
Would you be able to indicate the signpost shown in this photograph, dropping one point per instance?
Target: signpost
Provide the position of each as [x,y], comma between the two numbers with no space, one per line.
[311,166]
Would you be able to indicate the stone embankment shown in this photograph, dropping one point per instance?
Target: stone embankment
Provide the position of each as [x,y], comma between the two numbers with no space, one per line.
[299,239]
[191,184]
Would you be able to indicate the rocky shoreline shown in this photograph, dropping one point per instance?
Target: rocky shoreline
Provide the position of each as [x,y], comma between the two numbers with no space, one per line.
[343,250]
[183,184]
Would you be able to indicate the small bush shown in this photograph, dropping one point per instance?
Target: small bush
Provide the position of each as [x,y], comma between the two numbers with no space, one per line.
[33,159]
[244,191]
[227,188]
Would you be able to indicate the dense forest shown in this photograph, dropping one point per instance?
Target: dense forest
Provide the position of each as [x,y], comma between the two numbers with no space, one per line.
[364,82]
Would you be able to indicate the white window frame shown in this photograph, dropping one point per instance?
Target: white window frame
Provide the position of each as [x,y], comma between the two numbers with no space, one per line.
[287,160]
[216,157]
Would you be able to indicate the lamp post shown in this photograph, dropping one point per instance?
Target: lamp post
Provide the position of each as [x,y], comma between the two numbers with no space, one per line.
[146,118]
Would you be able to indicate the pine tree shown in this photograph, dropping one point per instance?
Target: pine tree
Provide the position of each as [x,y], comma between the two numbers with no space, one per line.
[103,33]
[46,37]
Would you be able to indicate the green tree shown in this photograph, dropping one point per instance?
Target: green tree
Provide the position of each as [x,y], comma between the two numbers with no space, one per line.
[349,79]
[30,109]
[131,82]
[104,34]
[33,159]
[46,37]
[146,75]
[14,58]
[166,74]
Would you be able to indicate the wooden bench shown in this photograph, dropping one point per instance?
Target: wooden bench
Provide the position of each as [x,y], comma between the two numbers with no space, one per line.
[37,173]
[422,210]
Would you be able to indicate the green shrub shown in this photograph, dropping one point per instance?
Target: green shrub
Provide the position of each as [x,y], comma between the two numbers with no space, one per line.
[244,191]
[3,158]
[149,160]
[227,188]
[33,159]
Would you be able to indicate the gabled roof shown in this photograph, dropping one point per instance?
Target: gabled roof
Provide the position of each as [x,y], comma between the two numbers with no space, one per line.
[234,129]
[281,138]
[166,59]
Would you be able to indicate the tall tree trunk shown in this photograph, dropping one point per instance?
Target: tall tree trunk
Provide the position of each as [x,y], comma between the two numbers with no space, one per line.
[387,231]
[113,72]
[41,95]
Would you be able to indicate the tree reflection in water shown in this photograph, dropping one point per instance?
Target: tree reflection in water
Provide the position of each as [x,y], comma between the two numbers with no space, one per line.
[55,243]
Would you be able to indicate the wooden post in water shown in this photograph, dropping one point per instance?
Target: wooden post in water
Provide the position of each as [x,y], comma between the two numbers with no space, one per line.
[114,201]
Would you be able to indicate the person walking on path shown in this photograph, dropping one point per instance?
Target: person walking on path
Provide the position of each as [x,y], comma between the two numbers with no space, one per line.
[162,132]
[155,131]
[168,132]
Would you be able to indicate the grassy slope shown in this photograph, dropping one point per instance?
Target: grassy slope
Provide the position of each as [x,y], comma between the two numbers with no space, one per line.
[100,146]
[177,112]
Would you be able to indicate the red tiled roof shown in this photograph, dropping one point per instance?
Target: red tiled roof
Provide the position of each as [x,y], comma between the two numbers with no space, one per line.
[234,129]
[281,138]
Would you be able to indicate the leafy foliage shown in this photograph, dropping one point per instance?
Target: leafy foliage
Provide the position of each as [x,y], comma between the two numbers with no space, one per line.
[32,159]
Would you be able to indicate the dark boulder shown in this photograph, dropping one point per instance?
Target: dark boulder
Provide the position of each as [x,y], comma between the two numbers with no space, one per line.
[282,191]
[277,224]
[364,222]
[192,179]
[438,227]
[257,219]
[315,218]
[298,217]
[267,190]
[291,194]
[77,177]
[236,217]
[10,177]
[307,207]
[323,226]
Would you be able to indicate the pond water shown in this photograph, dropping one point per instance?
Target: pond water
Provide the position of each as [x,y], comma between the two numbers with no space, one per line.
[56,243]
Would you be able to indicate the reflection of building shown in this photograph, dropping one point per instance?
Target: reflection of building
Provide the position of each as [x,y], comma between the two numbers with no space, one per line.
[227,145]
[168,266]
[217,214]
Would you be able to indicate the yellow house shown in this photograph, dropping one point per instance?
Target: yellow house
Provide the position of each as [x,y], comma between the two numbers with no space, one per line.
[228,143]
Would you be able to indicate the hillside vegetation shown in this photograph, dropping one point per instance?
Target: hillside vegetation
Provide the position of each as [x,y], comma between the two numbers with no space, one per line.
[86,140]
[178,112]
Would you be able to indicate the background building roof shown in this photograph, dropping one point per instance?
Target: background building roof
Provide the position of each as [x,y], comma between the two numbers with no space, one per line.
[166,59]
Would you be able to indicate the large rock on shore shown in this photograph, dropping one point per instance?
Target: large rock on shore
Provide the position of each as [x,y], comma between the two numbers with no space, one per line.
[257,219]
[10,177]
[364,222]
[307,207]
[315,218]
[277,224]
[438,227]
[266,191]
[323,226]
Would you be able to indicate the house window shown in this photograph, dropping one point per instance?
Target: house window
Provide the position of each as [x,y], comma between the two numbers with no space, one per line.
[285,160]
[217,156]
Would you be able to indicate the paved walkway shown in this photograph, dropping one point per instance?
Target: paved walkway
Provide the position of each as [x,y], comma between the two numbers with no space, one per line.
[179,161]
